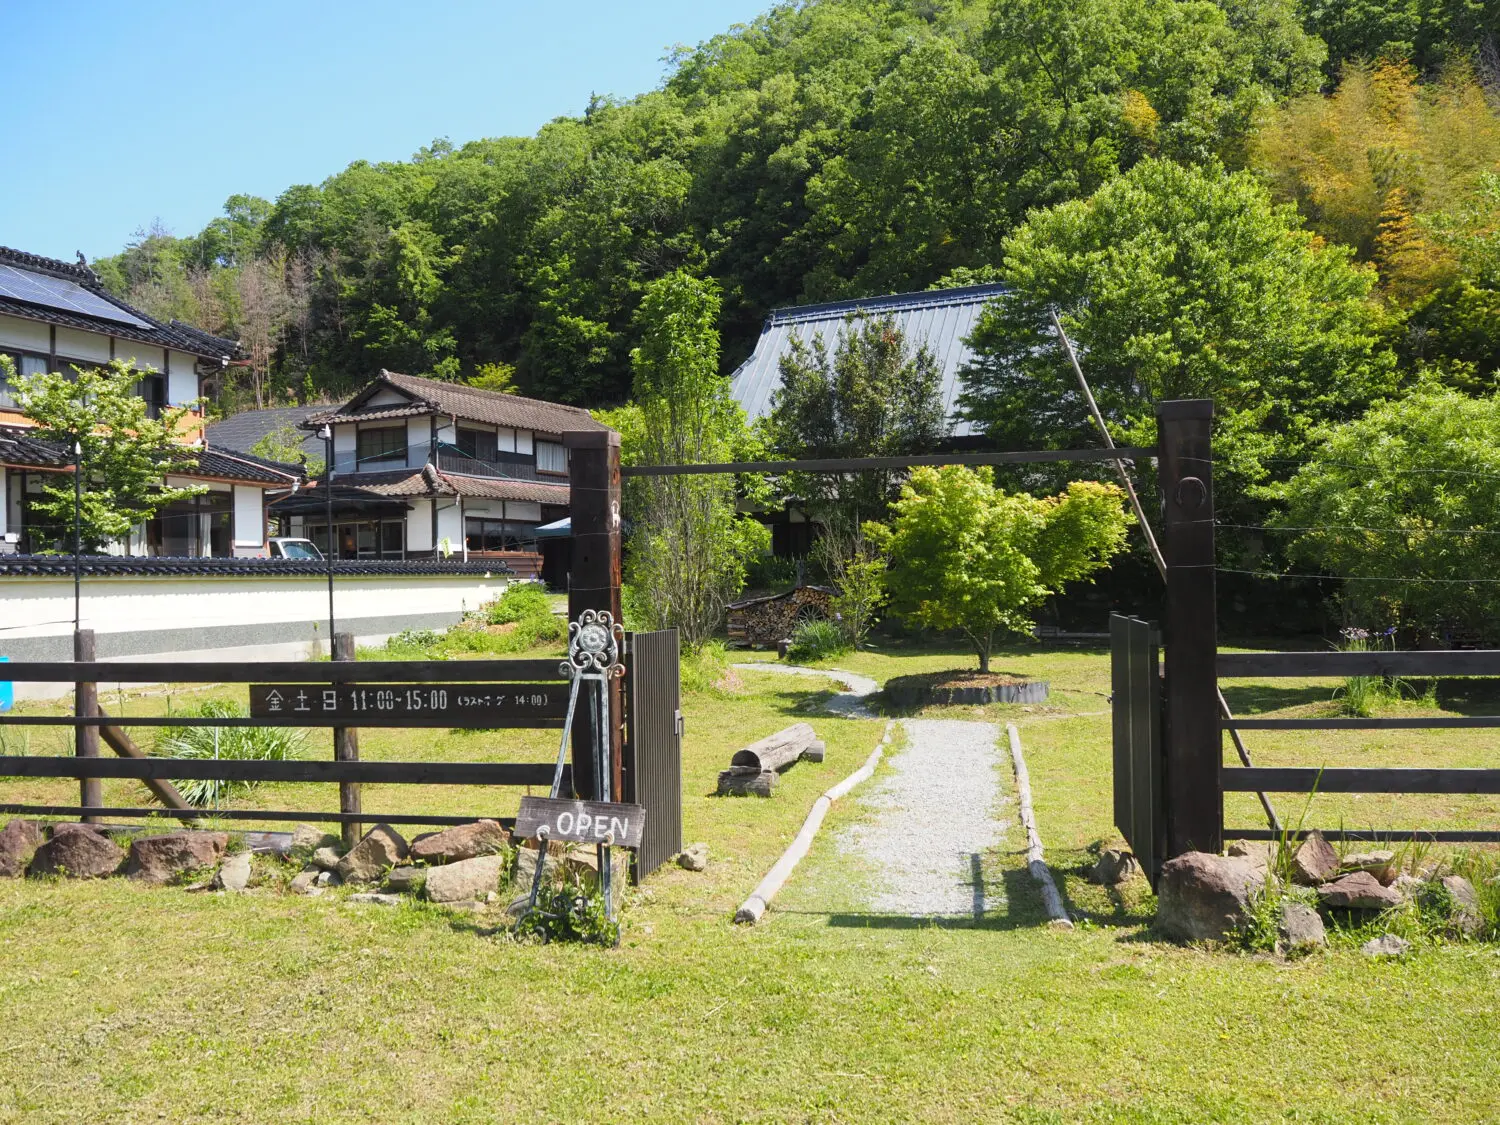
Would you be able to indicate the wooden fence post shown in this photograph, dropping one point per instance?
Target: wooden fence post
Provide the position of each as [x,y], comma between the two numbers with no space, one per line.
[594,579]
[1194,812]
[346,749]
[86,738]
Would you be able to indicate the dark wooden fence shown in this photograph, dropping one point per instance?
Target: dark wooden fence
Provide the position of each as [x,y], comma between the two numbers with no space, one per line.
[1174,753]
[345,770]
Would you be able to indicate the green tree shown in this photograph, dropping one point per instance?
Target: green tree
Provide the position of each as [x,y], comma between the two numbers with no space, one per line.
[875,396]
[690,548]
[125,454]
[1402,504]
[284,444]
[966,555]
[1178,282]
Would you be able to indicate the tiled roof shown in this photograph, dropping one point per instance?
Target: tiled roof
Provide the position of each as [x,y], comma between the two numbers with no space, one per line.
[428,481]
[105,566]
[432,396]
[173,334]
[19,448]
[241,431]
[938,318]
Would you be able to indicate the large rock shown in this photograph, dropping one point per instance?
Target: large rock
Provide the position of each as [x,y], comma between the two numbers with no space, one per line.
[79,851]
[18,843]
[327,858]
[1203,897]
[405,880]
[466,879]
[308,838]
[1467,917]
[1387,945]
[1358,891]
[1381,864]
[368,860]
[466,841]
[1314,861]
[1301,927]
[1115,865]
[156,859]
[234,873]
[306,882]
[694,857]
[1256,854]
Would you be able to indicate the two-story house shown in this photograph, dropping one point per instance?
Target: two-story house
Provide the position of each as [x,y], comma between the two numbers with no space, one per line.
[425,468]
[56,316]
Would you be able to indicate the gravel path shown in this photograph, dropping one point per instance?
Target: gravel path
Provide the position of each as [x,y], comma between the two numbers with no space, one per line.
[935,816]
[935,812]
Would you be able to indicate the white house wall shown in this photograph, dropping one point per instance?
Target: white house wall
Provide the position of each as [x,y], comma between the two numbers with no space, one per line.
[418,441]
[249,520]
[74,343]
[419,526]
[182,379]
[450,525]
[27,335]
[229,617]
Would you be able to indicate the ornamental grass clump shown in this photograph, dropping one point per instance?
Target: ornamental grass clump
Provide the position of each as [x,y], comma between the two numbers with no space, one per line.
[245,744]
[817,640]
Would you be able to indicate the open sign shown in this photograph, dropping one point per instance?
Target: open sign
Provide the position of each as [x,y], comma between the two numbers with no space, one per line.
[582,822]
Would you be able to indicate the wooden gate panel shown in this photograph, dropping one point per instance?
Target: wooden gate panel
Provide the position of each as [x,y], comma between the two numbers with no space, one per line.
[1136,712]
[653,745]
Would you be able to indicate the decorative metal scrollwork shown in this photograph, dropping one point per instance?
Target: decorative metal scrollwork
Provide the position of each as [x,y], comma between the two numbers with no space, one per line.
[594,644]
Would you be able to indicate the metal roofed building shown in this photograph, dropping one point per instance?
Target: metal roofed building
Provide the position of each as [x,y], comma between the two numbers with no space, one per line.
[941,319]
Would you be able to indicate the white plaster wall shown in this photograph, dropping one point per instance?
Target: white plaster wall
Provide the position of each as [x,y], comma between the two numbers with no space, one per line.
[418,435]
[73,343]
[182,379]
[30,335]
[419,526]
[287,614]
[505,439]
[249,516]
[446,431]
[451,526]
[523,510]
[143,357]
[523,441]
[344,447]
[387,396]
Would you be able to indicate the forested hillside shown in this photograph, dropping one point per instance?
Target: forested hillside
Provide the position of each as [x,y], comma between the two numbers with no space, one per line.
[848,147]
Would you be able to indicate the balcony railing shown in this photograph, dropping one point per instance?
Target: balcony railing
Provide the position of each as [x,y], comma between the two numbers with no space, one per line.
[451,459]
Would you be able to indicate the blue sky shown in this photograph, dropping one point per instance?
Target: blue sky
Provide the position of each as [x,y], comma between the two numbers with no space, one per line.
[116,114]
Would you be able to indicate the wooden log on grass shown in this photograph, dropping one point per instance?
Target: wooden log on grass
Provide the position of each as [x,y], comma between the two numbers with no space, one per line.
[752,771]
[776,751]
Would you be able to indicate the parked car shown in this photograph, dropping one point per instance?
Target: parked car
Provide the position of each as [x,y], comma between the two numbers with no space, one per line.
[282,548]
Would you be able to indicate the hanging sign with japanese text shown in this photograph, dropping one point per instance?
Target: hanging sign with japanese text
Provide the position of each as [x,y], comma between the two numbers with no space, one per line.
[475,706]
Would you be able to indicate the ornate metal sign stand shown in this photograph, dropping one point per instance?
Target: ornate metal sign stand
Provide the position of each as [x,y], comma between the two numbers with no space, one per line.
[594,644]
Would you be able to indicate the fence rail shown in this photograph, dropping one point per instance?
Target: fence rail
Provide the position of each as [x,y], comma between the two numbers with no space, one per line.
[285,671]
[1418,663]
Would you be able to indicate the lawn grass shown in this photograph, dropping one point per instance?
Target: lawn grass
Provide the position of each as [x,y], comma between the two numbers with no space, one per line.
[125,1003]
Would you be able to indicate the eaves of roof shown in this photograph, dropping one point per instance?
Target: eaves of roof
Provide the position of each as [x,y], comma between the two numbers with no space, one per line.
[432,396]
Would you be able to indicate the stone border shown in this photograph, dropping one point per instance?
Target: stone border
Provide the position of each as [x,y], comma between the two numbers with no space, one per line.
[1031,691]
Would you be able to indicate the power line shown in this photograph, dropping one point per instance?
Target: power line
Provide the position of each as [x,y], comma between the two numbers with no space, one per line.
[1354,527]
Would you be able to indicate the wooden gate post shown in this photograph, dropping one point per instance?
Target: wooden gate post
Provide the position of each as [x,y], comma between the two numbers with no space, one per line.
[594,578]
[346,749]
[1194,810]
[86,738]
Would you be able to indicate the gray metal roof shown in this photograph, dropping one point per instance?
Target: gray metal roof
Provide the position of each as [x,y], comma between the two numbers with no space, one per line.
[240,432]
[938,318]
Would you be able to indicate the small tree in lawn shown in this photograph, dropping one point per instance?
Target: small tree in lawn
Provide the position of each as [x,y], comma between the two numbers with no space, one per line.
[968,556]
[125,453]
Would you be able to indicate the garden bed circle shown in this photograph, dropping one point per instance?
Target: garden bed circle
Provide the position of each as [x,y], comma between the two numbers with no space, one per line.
[911,691]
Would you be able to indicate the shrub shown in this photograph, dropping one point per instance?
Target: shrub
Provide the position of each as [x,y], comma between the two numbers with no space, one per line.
[817,640]
[248,744]
[519,602]
[703,668]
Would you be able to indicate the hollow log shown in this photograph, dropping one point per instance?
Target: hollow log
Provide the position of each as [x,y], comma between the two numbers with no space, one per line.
[776,751]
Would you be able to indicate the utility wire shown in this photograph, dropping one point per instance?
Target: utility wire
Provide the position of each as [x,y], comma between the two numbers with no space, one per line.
[1377,530]
[1359,578]
[1156,555]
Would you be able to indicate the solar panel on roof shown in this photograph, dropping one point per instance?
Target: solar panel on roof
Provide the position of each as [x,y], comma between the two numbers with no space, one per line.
[61,294]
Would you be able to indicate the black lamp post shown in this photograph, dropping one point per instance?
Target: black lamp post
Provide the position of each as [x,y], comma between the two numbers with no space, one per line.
[326,433]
